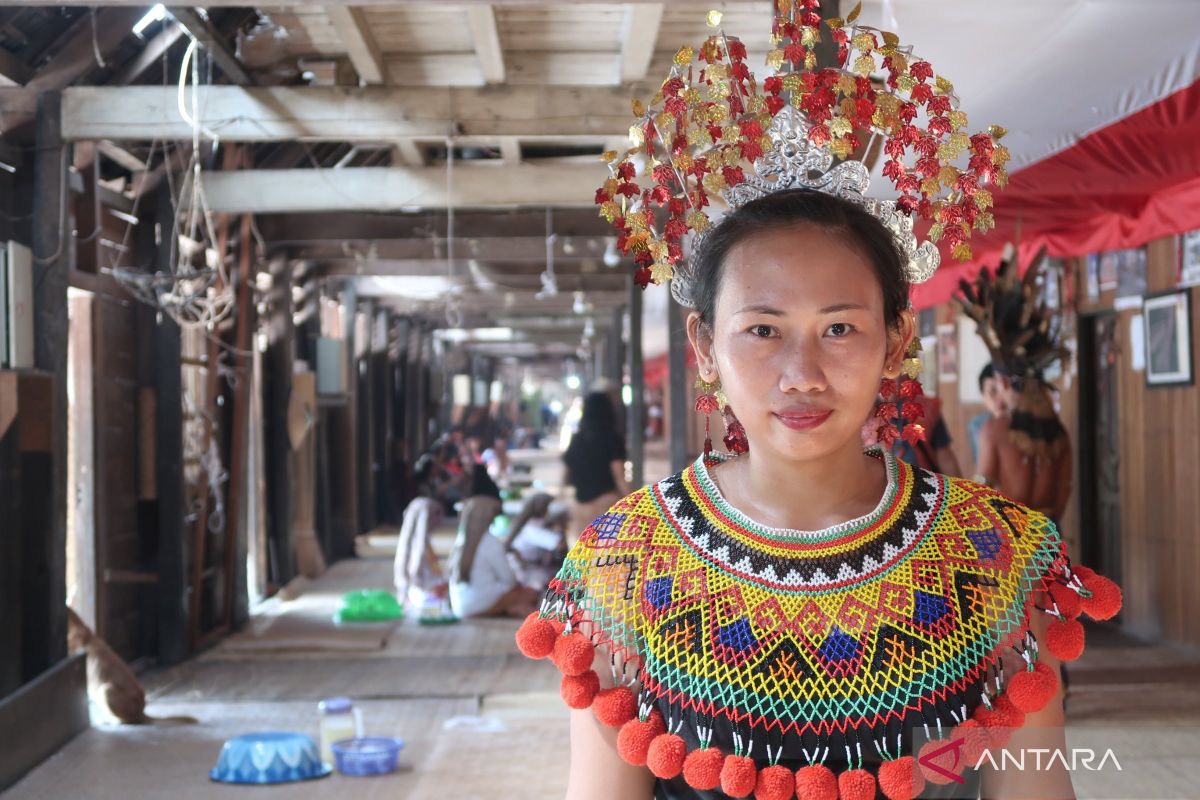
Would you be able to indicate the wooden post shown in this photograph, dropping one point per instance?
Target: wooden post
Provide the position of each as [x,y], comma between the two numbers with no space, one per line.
[636,428]
[172,532]
[45,554]
[677,385]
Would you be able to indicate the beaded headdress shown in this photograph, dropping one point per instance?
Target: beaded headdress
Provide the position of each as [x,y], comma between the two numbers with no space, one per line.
[713,129]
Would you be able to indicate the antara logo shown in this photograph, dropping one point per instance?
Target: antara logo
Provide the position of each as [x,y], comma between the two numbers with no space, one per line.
[1045,758]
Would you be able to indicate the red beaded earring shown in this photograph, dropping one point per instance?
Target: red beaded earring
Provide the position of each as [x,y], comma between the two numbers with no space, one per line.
[711,399]
[900,405]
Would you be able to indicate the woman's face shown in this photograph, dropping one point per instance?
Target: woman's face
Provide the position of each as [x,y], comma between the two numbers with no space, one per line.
[799,340]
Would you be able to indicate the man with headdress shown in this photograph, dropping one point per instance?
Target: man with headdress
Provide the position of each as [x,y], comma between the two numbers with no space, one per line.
[1024,452]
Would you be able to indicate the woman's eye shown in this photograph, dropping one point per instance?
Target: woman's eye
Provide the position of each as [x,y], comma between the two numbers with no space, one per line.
[839,329]
[762,331]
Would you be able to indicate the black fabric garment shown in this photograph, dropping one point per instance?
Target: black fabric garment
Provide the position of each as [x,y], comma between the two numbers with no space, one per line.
[589,457]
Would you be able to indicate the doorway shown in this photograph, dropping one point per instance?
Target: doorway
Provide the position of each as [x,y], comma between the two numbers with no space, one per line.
[1099,445]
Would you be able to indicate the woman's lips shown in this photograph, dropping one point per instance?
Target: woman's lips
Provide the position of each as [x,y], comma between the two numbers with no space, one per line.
[804,421]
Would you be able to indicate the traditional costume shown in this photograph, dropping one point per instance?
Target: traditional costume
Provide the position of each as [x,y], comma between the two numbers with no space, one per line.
[878,656]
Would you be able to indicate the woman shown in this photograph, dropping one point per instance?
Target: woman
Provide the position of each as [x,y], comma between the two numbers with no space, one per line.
[418,576]
[595,458]
[800,618]
[537,540]
[482,583]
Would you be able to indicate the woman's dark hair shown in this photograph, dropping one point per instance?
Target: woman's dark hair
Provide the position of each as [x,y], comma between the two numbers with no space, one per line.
[598,413]
[482,483]
[795,207]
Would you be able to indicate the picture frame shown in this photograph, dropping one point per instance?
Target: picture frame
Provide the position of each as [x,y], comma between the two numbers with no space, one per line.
[1189,259]
[1168,337]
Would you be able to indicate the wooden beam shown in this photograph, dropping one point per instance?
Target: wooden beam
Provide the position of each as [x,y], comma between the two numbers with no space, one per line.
[356,36]
[329,113]
[222,54]
[298,229]
[13,71]
[486,36]
[149,55]
[408,153]
[121,156]
[521,249]
[510,150]
[78,55]
[52,258]
[639,36]
[391,189]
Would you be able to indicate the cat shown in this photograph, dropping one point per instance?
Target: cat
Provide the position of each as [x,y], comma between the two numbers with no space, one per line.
[111,678]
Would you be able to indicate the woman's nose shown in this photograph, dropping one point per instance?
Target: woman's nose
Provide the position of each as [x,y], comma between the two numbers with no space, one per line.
[801,369]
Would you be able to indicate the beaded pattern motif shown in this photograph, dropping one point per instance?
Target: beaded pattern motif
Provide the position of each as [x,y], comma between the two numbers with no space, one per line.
[899,611]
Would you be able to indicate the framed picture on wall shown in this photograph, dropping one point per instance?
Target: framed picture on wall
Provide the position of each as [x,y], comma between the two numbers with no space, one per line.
[1092,266]
[947,353]
[1168,335]
[1189,259]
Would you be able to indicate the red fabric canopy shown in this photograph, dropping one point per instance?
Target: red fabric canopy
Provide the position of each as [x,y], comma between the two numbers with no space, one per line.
[1135,180]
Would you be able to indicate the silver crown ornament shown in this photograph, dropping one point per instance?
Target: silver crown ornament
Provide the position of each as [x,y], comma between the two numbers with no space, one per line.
[794,162]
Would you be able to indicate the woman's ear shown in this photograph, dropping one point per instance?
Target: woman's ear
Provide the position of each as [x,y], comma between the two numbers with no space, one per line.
[899,337]
[700,335]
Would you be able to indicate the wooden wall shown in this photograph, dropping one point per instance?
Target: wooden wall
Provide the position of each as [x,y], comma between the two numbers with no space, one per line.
[1159,447]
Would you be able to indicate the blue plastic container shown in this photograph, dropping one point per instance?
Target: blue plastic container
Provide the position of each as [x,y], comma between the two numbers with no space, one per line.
[370,755]
[260,758]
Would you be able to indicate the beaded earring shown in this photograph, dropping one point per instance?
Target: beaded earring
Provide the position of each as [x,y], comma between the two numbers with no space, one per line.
[901,407]
[711,399]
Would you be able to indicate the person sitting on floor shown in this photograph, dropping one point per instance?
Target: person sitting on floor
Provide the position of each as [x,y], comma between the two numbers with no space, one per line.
[418,576]
[537,540]
[482,582]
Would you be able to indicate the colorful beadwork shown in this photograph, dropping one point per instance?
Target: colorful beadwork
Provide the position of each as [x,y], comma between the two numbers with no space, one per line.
[818,647]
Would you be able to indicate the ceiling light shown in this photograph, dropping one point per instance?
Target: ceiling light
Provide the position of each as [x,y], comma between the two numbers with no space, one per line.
[155,14]
[611,256]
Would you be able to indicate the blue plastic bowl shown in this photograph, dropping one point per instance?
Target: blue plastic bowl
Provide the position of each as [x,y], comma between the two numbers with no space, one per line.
[371,755]
[269,758]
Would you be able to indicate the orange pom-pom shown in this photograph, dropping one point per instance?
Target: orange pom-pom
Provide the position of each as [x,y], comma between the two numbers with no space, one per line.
[1067,599]
[975,741]
[635,736]
[856,784]
[614,707]
[1030,690]
[901,779]
[774,783]
[702,768]
[573,654]
[739,774]
[666,754]
[578,691]
[536,636]
[1064,639]
[1106,597]
[816,782]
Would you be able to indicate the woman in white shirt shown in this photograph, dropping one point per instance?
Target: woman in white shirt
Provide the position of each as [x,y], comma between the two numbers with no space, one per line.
[482,582]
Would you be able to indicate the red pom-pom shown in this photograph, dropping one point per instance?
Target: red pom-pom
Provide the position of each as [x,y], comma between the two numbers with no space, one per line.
[816,782]
[702,768]
[1064,639]
[573,654]
[738,776]
[1067,599]
[774,783]
[1008,715]
[1106,598]
[536,636]
[1082,572]
[635,736]
[856,784]
[928,757]
[614,707]
[666,754]
[1030,690]
[578,691]
[901,779]
[975,741]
